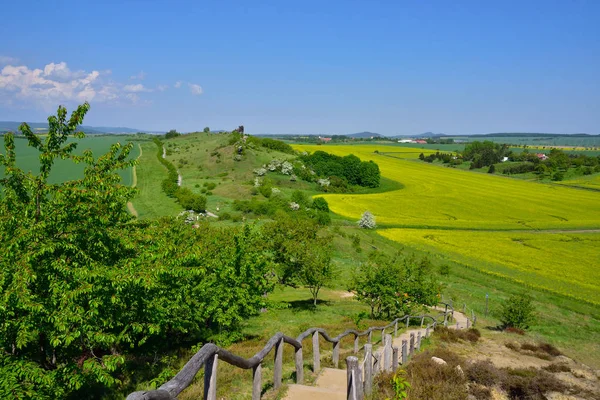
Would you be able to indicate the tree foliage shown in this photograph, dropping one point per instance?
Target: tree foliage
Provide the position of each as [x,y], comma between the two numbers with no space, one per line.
[83,287]
[484,154]
[302,256]
[393,286]
[517,311]
[172,134]
[349,168]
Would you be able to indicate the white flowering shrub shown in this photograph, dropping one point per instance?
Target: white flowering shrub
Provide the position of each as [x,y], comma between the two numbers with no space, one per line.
[275,191]
[367,220]
[324,182]
[287,168]
[294,206]
[257,182]
[274,165]
[293,178]
[260,171]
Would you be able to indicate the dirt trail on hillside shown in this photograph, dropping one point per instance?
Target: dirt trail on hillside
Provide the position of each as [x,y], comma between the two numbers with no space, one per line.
[130,206]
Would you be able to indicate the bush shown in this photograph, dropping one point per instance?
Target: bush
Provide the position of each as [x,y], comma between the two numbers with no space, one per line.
[321,204]
[517,312]
[367,220]
[483,373]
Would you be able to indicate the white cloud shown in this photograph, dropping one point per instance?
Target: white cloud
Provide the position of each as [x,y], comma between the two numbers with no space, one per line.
[162,88]
[141,76]
[177,84]
[195,89]
[5,60]
[56,83]
[136,88]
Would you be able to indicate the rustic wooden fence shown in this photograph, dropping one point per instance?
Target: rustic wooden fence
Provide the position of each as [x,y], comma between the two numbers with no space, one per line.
[209,355]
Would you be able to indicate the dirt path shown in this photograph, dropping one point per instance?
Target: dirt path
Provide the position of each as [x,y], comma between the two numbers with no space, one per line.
[130,206]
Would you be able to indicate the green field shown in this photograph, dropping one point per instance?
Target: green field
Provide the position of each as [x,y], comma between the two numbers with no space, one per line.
[27,157]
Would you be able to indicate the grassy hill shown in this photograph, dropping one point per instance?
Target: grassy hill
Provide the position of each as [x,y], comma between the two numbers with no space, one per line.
[410,191]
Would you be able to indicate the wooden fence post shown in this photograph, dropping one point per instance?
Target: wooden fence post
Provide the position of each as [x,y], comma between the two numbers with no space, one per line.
[427,331]
[394,359]
[396,329]
[277,371]
[210,378]
[351,381]
[316,354]
[257,382]
[299,367]
[422,320]
[412,344]
[419,340]
[404,355]
[336,354]
[368,369]
[369,337]
[355,344]
[407,322]
[387,353]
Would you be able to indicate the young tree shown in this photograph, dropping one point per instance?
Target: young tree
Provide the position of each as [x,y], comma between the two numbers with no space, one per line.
[367,220]
[206,130]
[517,311]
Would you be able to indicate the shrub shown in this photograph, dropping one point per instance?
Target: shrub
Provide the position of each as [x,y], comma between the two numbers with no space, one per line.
[367,220]
[483,373]
[320,204]
[517,312]
[559,367]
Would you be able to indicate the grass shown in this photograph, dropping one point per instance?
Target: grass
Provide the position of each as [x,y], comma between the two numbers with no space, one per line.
[63,170]
[151,202]
[436,197]
[588,182]
[562,262]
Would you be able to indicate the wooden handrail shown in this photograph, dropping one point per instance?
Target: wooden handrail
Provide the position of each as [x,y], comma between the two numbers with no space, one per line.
[210,353]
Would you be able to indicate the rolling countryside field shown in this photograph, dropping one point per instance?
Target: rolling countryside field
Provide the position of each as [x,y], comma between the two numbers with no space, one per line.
[523,231]
[63,170]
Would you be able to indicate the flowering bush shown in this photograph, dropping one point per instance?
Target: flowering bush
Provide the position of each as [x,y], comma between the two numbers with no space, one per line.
[367,220]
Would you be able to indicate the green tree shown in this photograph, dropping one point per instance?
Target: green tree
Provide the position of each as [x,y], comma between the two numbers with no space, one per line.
[56,240]
[320,204]
[206,130]
[517,311]
[302,256]
[171,134]
[492,169]
[395,285]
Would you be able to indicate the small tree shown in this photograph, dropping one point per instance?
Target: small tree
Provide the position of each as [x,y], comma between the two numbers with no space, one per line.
[517,312]
[206,130]
[171,134]
[492,169]
[320,204]
[367,220]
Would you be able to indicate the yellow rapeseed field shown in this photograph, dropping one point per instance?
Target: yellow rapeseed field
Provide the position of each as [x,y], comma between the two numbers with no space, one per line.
[441,197]
[566,263]
[488,222]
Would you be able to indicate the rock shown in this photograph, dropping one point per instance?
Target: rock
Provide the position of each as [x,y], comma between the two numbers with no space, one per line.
[438,361]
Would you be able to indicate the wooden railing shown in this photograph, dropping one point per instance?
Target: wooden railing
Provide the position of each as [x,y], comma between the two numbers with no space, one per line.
[209,355]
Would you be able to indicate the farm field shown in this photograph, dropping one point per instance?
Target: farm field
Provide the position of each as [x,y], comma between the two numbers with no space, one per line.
[557,262]
[591,182]
[446,198]
[27,157]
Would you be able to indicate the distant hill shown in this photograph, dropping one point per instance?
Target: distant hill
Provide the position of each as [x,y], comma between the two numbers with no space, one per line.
[42,127]
[364,135]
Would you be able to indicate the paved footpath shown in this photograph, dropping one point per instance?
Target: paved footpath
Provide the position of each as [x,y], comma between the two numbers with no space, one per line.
[331,383]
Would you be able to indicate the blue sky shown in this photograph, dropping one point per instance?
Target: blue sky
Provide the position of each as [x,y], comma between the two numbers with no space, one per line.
[392,67]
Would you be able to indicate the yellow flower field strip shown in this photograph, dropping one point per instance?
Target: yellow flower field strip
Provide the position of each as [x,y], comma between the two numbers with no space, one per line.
[561,262]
